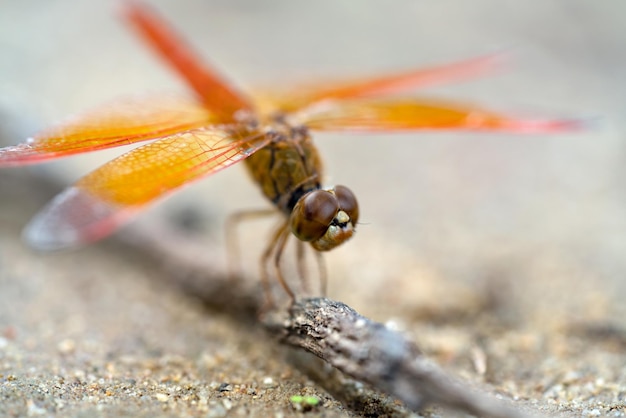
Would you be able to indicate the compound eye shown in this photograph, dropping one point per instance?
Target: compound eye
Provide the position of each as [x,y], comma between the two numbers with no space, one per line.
[313,214]
[347,203]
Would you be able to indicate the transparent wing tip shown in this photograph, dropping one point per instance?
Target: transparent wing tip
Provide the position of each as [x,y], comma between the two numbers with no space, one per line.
[558,125]
[73,218]
[39,236]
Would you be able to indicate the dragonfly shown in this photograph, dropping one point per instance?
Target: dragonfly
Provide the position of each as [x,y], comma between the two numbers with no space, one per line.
[189,138]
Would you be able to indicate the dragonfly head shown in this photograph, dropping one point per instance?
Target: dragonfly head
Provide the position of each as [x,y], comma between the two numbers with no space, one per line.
[325,218]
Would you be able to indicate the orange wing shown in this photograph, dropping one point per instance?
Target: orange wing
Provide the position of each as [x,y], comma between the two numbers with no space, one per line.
[390,84]
[103,200]
[223,100]
[410,115]
[114,124]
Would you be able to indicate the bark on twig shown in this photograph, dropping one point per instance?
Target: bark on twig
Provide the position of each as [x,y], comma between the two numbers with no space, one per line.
[372,353]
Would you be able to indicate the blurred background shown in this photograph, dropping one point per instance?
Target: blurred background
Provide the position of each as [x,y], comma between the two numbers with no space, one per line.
[533,224]
[466,205]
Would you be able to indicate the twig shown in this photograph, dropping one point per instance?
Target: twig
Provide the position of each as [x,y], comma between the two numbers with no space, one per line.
[372,353]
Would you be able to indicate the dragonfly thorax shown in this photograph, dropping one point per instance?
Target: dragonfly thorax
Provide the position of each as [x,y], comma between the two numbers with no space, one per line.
[289,172]
[288,167]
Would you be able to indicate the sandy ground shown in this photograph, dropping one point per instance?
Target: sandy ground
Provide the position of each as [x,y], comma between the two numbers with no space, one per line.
[502,256]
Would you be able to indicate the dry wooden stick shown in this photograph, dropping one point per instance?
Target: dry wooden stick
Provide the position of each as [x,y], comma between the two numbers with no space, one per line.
[372,353]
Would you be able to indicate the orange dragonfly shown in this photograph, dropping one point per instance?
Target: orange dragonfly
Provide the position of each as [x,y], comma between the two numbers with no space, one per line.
[193,138]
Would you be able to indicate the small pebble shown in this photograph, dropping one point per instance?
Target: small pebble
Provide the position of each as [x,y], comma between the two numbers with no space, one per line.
[268,382]
[216,411]
[228,405]
[162,397]
[66,346]
[34,409]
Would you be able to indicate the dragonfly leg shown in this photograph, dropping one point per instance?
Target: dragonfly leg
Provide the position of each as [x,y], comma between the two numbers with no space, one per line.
[303,272]
[323,272]
[280,241]
[275,248]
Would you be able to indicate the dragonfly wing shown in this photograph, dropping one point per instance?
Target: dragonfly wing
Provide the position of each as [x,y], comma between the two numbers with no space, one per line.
[113,124]
[394,83]
[423,114]
[72,218]
[103,200]
[216,94]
